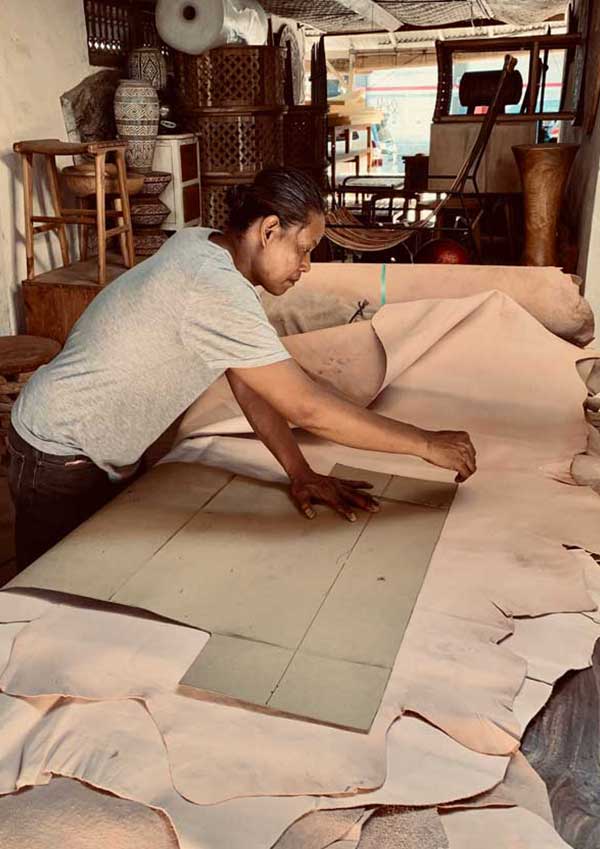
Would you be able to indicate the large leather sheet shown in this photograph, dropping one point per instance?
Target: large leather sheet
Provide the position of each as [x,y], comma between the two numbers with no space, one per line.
[482,364]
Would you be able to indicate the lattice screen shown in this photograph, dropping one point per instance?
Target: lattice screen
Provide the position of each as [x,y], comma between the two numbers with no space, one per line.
[115,27]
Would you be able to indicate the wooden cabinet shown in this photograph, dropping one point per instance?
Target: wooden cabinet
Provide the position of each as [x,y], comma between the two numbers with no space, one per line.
[179,155]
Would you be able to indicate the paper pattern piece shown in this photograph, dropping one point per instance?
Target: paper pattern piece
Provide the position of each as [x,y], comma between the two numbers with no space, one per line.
[306,624]
[110,546]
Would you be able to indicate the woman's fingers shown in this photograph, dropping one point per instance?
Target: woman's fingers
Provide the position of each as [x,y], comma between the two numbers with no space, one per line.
[362,500]
[469,459]
[464,470]
[354,484]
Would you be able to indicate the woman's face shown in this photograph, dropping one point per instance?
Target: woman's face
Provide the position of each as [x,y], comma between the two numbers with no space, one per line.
[284,254]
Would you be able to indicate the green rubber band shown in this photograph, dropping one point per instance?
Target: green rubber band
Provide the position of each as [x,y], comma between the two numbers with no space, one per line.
[383,284]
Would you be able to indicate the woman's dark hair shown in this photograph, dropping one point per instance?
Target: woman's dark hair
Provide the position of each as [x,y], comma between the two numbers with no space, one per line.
[287,193]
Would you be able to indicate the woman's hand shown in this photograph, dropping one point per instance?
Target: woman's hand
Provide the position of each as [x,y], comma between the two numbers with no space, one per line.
[343,496]
[451,449]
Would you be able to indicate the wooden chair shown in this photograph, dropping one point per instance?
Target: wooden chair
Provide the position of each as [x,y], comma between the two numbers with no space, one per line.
[345,229]
[35,224]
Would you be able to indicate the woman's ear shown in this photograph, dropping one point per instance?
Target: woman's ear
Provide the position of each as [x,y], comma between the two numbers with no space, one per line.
[269,226]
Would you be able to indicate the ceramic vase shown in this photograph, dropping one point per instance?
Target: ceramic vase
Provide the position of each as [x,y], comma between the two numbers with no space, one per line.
[136,116]
[148,63]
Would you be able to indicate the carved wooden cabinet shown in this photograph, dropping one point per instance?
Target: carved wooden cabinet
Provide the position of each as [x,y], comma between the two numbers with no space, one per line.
[179,155]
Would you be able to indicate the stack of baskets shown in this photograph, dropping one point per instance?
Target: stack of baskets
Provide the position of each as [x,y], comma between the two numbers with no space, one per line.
[233,98]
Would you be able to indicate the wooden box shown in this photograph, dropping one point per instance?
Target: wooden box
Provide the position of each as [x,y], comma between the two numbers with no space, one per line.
[55,300]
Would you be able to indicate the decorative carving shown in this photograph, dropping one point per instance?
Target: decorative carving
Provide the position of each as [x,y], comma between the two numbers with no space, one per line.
[237,75]
[239,143]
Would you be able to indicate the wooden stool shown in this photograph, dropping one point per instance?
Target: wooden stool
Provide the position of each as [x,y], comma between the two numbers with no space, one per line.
[20,356]
[50,149]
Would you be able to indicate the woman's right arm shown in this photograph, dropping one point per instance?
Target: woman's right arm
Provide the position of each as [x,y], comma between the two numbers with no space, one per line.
[307,404]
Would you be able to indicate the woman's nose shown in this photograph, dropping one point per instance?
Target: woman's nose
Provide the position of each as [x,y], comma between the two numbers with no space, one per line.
[305,265]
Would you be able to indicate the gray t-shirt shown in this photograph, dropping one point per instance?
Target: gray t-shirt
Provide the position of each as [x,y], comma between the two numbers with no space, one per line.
[144,350]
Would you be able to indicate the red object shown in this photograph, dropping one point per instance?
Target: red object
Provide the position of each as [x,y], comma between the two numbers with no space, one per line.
[446,251]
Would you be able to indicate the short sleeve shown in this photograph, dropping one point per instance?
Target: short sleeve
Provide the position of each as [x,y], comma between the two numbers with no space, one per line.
[224,323]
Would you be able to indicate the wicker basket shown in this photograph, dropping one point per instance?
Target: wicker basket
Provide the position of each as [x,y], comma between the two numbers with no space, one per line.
[236,142]
[236,75]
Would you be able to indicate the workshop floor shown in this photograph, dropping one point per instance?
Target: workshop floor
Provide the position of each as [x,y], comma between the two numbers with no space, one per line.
[7,529]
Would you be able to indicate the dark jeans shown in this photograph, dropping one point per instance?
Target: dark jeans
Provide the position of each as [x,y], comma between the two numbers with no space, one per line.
[52,496]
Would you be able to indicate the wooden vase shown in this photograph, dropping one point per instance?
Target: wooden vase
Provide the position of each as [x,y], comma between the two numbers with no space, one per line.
[544,169]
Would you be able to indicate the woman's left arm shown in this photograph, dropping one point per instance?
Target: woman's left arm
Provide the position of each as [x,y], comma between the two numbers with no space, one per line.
[306,486]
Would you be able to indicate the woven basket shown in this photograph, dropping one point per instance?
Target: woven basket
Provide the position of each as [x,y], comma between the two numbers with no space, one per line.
[236,75]
[237,143]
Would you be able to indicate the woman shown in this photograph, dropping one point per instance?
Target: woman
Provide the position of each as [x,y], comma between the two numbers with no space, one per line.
[155,339]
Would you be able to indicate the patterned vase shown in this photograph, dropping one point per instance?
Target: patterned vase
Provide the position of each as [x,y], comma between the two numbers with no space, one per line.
[148,63]
[137,115]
